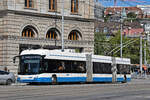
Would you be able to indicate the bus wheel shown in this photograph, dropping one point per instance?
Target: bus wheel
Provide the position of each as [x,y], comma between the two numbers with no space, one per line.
[54,79]
[125,79]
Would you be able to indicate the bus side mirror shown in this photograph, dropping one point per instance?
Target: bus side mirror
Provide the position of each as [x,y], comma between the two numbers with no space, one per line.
[43,57]
[14,59]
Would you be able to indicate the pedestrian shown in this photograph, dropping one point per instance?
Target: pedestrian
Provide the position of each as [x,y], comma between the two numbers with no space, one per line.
[81,68]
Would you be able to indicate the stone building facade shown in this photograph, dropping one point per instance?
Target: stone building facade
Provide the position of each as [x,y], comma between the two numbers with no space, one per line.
[37,24]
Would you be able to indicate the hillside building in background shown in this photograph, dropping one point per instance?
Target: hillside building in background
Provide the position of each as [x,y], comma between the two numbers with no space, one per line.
[116,11]
[35,24]
[145,9]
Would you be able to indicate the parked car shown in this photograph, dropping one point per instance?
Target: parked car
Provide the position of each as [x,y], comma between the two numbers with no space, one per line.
[6,77]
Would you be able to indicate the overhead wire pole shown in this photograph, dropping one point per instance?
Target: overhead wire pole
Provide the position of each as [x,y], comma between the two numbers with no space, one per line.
[123,15]
[141,54]
[115,1]
[62,32]
[145,44]
[121,36]
[145,60]
[145,39]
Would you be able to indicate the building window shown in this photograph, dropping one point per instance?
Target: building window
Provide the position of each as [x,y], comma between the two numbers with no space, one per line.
[105,30]
[51,34]
[52,5]
[28,32]
[74,35]
[74,6]
[29,3]
[97,30]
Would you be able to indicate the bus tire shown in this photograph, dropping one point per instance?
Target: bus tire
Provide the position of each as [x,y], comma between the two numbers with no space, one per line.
[54,79]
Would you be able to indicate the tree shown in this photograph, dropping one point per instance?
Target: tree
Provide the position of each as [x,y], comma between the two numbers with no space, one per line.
[107,17]
[131,47]
[99,41]
[102,45]
[131,15]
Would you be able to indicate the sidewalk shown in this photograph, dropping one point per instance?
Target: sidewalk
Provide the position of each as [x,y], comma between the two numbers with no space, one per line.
[138,76]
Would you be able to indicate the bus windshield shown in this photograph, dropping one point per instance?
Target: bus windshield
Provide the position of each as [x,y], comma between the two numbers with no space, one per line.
[29,64]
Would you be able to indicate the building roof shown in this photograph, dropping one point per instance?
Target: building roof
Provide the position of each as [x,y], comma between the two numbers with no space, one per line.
[133,31]
[112,27]
[118,10]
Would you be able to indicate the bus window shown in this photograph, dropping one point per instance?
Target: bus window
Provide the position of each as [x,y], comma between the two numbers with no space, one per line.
[59,66]
[44,67]
[101,68]
[123,69]
[29,65]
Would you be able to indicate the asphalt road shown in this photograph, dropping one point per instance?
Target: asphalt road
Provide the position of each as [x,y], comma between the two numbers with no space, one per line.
[135,90]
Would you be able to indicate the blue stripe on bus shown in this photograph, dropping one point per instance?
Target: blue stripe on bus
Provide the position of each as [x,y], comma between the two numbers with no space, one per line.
[102,79]
[71,79]
[34,80]
[59,79]
[108,79]
[43,79]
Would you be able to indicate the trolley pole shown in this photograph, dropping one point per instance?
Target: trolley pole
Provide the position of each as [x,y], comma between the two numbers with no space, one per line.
[62,32]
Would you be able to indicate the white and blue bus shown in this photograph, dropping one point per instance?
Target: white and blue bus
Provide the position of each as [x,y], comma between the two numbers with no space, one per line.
[52,66]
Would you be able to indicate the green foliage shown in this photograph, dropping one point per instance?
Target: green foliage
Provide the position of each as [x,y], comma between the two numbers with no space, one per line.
[99,43]
[131,47]
[107,17]
[131,15]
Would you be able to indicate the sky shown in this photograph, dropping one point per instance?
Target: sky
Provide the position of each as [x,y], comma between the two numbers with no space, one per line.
[127,3]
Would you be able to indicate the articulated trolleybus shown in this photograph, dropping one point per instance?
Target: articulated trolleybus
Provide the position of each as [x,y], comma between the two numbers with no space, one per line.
[52,66]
